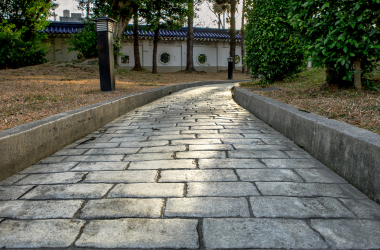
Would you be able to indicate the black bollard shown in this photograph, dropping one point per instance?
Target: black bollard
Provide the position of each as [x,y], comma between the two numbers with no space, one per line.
[230,68]
[104,29]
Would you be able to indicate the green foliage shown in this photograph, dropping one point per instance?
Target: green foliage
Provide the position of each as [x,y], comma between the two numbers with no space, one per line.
[85,41]
[274,49]
[337,32]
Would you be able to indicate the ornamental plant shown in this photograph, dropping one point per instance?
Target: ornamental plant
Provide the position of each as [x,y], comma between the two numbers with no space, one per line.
[85,41]
[338,32]
[274,48]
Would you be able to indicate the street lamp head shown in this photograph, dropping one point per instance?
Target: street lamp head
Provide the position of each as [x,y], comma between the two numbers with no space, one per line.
[230,59]
[104,24]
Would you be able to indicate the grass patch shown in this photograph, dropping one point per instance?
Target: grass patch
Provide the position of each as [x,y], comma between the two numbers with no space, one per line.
[358,108]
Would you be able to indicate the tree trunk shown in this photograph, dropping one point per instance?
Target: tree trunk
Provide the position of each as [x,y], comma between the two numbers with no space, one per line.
[233,31]
[136,45]
[155,43]
[190,36]
[242,39]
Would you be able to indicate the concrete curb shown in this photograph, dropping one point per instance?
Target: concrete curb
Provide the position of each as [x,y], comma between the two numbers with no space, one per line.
[351,152]
[24,145]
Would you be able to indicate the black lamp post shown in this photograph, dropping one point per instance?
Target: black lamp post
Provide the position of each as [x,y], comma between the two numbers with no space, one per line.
[230,68]
[104,28]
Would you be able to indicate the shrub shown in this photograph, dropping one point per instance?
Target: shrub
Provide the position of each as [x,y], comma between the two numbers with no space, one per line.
[85,41]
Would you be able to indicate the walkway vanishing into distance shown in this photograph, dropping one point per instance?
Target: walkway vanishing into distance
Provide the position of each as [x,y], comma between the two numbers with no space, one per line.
[192,170]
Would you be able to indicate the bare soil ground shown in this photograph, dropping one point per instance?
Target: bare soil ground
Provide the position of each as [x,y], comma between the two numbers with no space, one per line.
[358,108]
[32,93]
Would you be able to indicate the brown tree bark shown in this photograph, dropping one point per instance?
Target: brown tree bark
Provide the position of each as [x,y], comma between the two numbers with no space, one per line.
[242,33]
[155,43]
[233,31]
[190,37]
[136,46]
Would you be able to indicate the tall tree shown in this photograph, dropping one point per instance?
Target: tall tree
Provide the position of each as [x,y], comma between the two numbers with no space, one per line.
[233,31]
[190,37]
[242,34]
[220,8]
[86,5]
[136,46]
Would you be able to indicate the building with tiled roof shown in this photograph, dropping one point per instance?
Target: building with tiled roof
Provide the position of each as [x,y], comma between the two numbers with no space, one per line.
[211,47]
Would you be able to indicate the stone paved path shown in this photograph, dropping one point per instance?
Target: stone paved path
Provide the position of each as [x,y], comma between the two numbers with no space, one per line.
[192,170]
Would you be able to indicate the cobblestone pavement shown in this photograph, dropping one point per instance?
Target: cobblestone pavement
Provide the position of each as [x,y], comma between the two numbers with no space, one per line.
[191,170]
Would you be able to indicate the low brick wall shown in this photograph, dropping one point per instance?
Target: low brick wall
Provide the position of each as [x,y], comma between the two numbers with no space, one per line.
[24,145]
[351,152]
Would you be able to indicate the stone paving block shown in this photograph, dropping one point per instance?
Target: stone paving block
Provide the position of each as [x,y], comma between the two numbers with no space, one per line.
[207,127]
[39,233]
[164,149]
[210,147]
[73,191]
[221,189]
[52,159]
[323,175]
[260,136]
[268,175]
[140,233]
[99,145]
[185,124]
[207,207]
[202,131]
[121,176]
[149,157]
[70,152]
[129,139]
[118,208]
[13,192]
[39,209]
[219,136]
[163,164]
[294,207]
[49,168]
[353,191]
[301,189]
[12,179]
[53,178]
[292,163]
[196,141]
[298,154]
[144,144]
[364,209]
[241,154]
[197,175]
[112,151]
[242,131]
[148,190]
[230,163]
[260,147]
[349,234]
[260,233]
[201,154]
[155,132]
[100,166]
[171,137]
[240,141]
[94,158]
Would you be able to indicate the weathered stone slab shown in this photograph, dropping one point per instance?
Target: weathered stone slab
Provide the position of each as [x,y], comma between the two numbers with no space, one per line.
[39,209]
[171,137]
[128,139]
[197,175]
[196,141]
[298,154]
[261,147]
[349,234]
[260,233]
[52,159]
[70,152]
[353,191]
[220,189]
[13,192]
[112,151]
[100,166]
[74,191]
[121,176]
[204,132]
[294,207]
[39,233]
[241,131]
[118,208]
[149,157]
[241,141]
[292,163]
[256,154]
[148,190]
[94,158]
[49,168]
[364,209]
[99,145]
[163,164]
[210,147]
[201,154]
[144,144]
[53,178]
[164,149]
[12,179]
[220,136]
[207,207]
[230,163]
[268,175]
[301,189]
[140,233]
[322,175]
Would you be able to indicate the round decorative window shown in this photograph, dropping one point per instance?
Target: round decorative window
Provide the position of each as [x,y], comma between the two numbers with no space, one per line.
[164,58]
[237,59]
[202,59]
